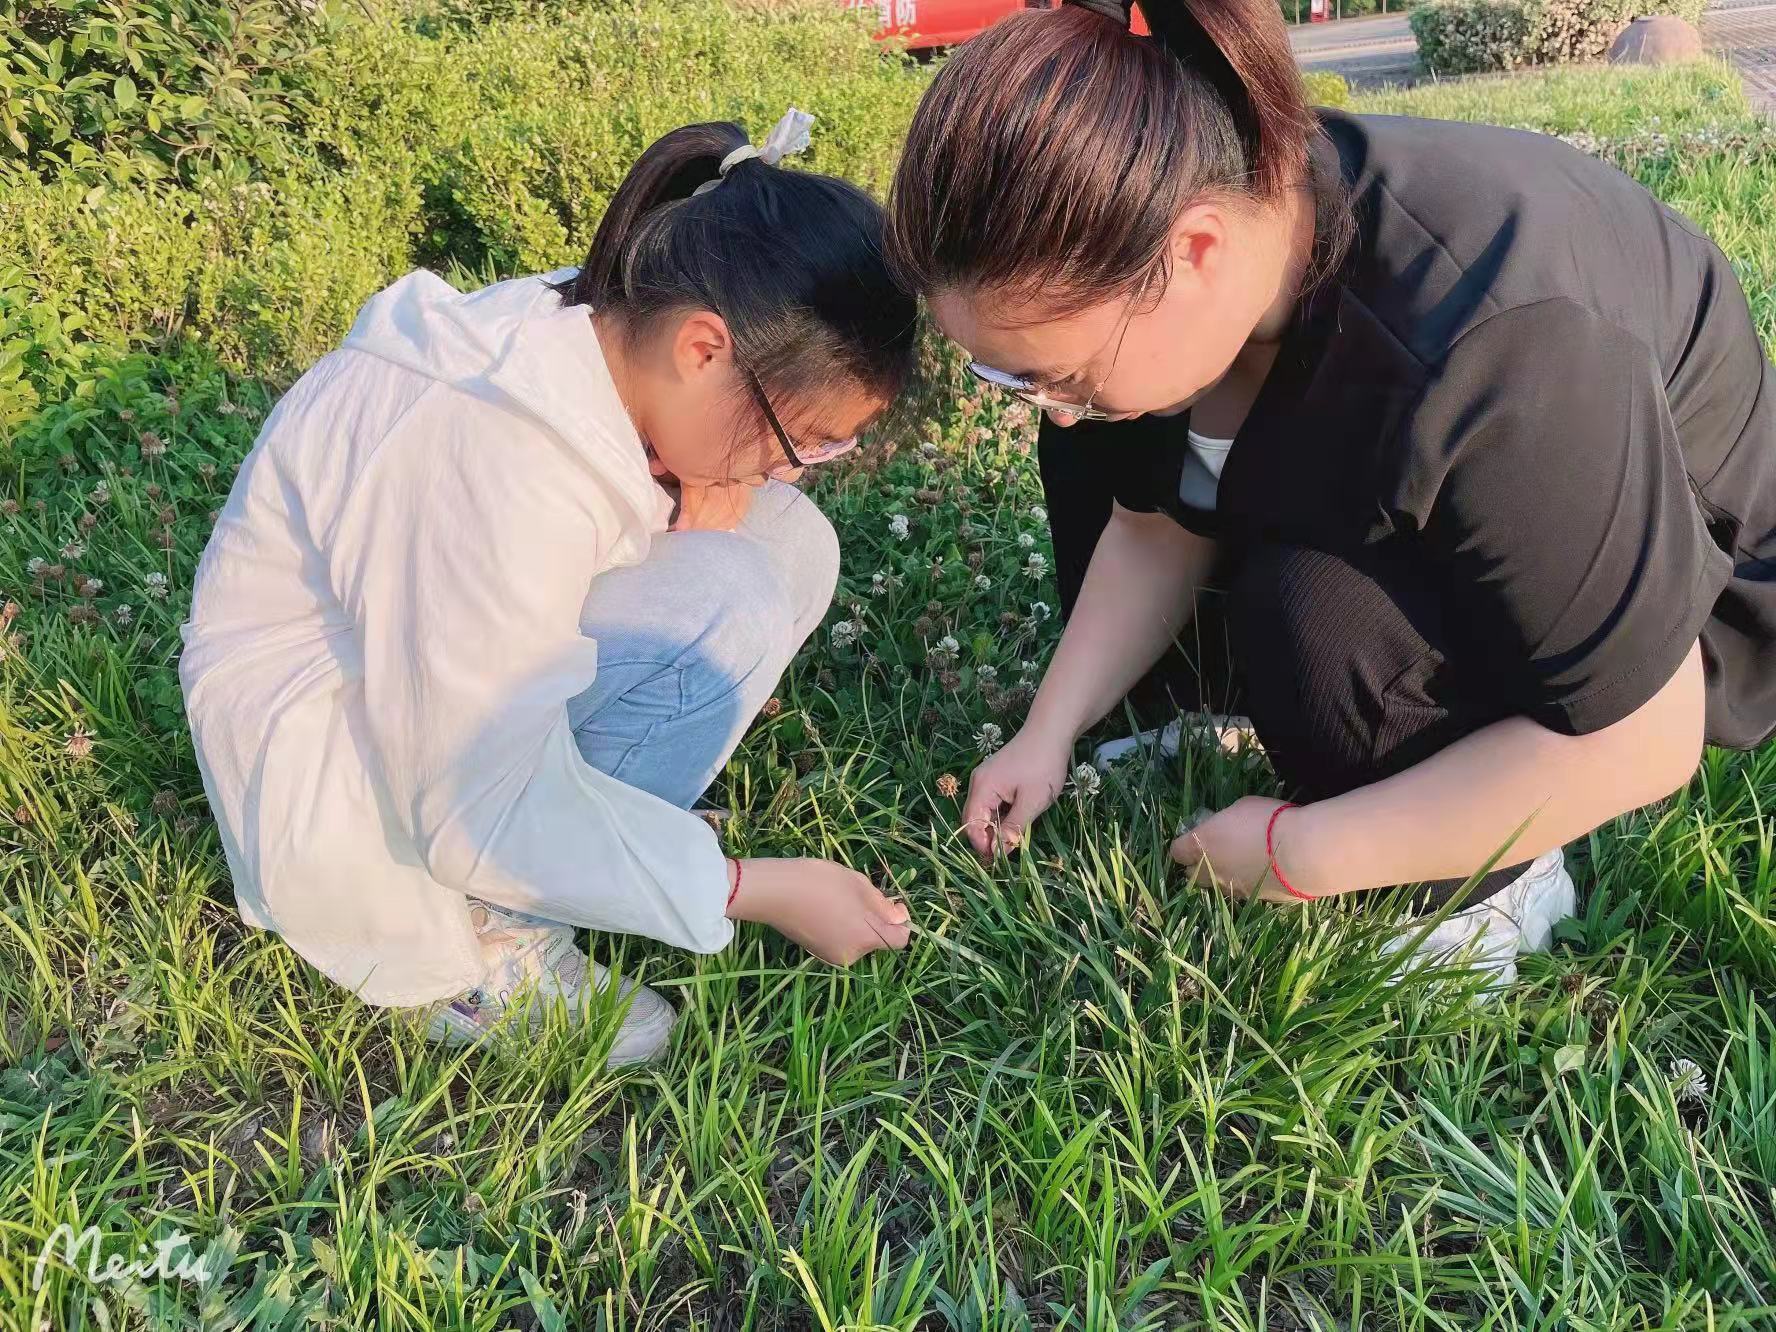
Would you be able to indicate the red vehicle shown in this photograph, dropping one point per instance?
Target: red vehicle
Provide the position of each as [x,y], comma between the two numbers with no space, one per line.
[924,25]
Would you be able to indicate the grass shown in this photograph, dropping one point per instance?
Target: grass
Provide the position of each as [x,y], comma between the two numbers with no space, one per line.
[1088,1096]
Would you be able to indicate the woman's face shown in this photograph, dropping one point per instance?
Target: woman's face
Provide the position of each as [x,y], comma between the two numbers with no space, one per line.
[705,423]
[1155,349]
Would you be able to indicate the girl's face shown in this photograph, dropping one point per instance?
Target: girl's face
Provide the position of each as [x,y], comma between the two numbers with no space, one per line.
[706,420]
[1155,349]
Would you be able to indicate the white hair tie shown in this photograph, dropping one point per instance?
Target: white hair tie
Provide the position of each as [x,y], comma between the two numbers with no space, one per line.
[787,138]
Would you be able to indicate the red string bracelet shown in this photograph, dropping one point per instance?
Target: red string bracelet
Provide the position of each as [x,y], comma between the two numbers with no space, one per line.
[735,890]
[1270,854]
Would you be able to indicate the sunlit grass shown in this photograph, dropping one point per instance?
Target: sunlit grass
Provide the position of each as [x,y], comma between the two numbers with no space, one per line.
[1088,1096]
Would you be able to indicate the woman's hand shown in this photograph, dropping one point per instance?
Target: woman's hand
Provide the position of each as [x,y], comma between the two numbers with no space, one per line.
[1012,788]
[833,912]
[712,508]
[1228,848]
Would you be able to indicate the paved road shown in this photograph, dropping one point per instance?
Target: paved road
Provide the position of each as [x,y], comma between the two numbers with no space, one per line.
[1381,49]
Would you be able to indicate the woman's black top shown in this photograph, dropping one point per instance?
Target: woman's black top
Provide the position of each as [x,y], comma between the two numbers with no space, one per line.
[1534,376]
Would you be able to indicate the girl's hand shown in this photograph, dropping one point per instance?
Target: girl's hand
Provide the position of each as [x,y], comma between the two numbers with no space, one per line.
[1012,788]
[712,508]
[1228,849]
[833,912]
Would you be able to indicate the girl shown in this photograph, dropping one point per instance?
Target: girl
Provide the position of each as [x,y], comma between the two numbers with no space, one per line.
[1463,441]
[506,577]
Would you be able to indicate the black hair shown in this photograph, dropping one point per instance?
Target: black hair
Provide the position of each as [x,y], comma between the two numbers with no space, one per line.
[792,261]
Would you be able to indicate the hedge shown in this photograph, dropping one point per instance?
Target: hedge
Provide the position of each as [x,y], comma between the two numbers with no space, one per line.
[252,209]
[1485,36]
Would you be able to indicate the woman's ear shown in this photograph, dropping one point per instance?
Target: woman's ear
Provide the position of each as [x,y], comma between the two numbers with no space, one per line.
[1198,242]
[702,343]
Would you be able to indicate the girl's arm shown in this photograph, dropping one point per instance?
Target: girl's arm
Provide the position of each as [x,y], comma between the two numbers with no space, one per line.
[1139,592]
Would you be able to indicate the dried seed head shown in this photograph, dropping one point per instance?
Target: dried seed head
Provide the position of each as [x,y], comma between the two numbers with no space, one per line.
[948,786]
[165,804]
[79,745]
[772,707]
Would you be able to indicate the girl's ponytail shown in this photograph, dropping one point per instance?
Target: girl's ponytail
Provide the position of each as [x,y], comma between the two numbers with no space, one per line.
[671,169]
[791,261]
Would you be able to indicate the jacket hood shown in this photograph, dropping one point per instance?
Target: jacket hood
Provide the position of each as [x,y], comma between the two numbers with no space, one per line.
[515,341]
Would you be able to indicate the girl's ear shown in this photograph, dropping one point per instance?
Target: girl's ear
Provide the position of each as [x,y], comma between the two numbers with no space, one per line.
[702,343]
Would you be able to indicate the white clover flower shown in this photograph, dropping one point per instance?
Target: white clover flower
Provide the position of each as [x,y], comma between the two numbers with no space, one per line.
[1689,1084]
[845,633]
[878,585]
[36,565]
[101,493]
[986,674]
[1087,780]
[124,614]
[898,527]
[1026,668]
[1039,611]
[982,583]
[1039,513]
[948,645]
[1036,565]
[929,449]
[989,739]
[73,550]
[154,586]
[1025,540]
[92,587]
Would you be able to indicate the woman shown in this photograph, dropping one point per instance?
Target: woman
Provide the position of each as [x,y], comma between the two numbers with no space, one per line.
[453,682]
[1464,440]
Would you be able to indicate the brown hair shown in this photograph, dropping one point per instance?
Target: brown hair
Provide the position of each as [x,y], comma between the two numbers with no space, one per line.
[1054,151]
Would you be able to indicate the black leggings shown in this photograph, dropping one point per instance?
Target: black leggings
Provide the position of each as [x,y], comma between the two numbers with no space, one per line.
[1341,662]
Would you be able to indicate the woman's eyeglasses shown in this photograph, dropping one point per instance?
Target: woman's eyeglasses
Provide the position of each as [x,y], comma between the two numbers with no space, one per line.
[798,458]
[1027,389]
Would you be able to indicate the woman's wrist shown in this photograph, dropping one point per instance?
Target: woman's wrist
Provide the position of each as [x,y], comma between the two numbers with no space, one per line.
[1306,846]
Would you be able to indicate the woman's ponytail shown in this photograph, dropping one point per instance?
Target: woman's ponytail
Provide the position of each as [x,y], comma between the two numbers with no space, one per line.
[1052,153]
[1241,47]
[670,170]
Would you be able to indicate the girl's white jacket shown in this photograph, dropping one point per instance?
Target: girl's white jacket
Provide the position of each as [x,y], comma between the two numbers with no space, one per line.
[385,631]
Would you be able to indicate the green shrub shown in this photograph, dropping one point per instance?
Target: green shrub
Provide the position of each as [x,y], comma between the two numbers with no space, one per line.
[1484,36]
[1325,89]
[154,86]
[492,146]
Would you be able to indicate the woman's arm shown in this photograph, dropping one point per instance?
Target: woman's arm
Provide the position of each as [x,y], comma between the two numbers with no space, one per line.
[1139,592]
[1448,816]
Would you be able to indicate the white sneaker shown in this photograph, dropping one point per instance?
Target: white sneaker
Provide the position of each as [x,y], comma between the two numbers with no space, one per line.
[1489,937]
[533,962]
[1233,734]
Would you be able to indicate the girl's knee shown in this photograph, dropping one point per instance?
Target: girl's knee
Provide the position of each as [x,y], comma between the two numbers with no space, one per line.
[803,546]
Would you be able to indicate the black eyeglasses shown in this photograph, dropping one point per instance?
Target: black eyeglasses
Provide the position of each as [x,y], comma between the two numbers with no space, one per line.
[819,453]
